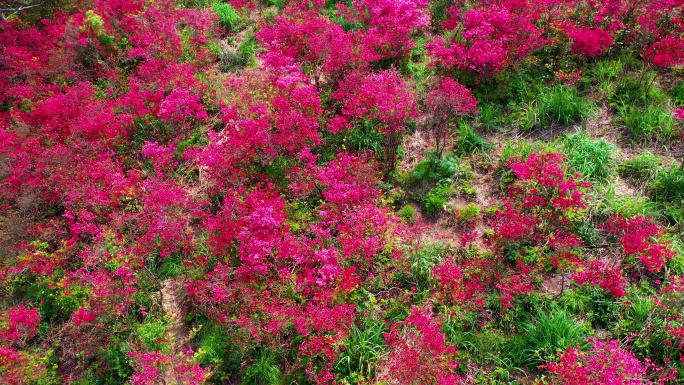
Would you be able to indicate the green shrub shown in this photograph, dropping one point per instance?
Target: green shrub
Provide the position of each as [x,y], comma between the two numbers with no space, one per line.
[407,213]
[652,122]
[591,158]
[435,200]
[435,168]
[468,213]
[151,333]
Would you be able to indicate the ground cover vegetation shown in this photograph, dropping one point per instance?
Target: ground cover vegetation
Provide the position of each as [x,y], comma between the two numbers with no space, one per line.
[342,192]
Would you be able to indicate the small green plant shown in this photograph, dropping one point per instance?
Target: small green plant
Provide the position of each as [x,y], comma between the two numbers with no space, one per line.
[546,335]
[668,192]
[591,158]
[557,104]
[228,17]
[364,346]
[468,213]
[407,213]
[469,141]
[652,122]
[264,369]
[678,94]
[151,333]
[520,148]
[642,168]
[422,261]
[435,168]
[490,116]
[435,200]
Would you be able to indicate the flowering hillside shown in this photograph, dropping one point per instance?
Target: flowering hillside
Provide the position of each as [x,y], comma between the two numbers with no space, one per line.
[380,192]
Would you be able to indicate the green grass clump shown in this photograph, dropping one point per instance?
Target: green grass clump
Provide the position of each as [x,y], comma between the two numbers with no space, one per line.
[652,122]
[557,104]
[228,17]
[591,158]
[362,349]
[263,370]
[641,168]
[435,168]
[548,333]
[470,142]
[611,203]
[668,192]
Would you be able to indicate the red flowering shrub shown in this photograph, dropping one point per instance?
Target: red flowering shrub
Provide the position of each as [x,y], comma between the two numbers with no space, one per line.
[448,101]
[605,363]
[490,37]
[418,353]
[589,42]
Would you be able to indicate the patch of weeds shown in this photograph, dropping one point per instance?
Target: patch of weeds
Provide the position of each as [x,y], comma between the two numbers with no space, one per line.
[407,213]
[612,203]
[435,168]
[636,90]
[668,192]
[435,200]
[591,158]
[548,333]
[642,168]
[469,141]
[422,260]
[678,94]
[263,370]
[490,117]
[652,122]
[364,346]
[558,104]
[228,17]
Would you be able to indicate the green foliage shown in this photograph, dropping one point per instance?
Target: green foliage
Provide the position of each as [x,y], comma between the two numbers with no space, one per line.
[364,136]
[422,260]
[636,90]
[678,94]
[469,141]
[407,213]
[152,332]
[468,213]
[435,200]
[490,116]
[558,104]
[216,350]
[228,17]
[435,168]
[364,346]
[612,203]
[591,158]
[264,370]
[548,333]
[642,168]
[668,192]
[603,309]
[652,122]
